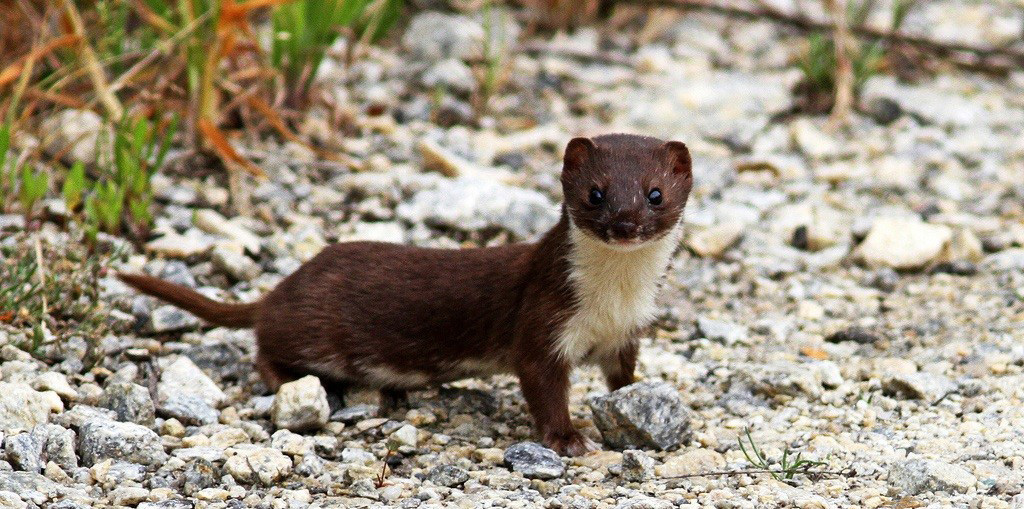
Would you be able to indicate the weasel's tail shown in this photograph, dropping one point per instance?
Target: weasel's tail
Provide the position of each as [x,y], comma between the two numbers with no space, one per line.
[229,315]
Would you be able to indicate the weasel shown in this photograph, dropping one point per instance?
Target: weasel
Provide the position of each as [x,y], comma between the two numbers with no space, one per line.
[397,317]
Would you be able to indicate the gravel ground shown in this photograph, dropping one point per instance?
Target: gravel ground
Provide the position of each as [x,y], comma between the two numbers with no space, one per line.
[856,296]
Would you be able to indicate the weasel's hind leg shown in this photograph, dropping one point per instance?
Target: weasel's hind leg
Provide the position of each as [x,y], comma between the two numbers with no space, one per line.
[393,399]
[273,374]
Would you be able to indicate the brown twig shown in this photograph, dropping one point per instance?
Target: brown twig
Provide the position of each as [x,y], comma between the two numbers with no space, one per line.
[847,472]
[985,58]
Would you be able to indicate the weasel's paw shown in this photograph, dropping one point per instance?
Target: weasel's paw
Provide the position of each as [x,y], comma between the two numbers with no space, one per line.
[570,444]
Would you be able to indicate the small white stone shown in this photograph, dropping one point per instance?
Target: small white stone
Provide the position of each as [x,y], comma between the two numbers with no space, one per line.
[404,436]
[903,243]
[300,405]
[714,241]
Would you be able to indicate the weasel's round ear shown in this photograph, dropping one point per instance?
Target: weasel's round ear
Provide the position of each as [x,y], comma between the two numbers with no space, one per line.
[578,152]
[679,158]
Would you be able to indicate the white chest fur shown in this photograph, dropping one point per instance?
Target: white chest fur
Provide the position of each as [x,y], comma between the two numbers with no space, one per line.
[615,291]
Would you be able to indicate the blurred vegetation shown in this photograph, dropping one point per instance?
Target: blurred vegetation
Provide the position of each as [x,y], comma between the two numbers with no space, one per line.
[230,67]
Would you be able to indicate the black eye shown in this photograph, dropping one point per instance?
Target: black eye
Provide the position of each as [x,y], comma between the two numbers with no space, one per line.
[596,197]
[654,197]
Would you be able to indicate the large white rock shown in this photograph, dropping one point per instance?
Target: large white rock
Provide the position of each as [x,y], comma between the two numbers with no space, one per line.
[301,405]
[22,407]
[183,377]
[903,244]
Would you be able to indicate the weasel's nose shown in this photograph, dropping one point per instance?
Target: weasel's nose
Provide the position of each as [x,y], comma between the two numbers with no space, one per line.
[622,229]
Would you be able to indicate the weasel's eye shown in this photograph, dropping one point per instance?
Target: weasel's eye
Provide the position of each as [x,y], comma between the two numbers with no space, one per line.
[596,197]
[654,197]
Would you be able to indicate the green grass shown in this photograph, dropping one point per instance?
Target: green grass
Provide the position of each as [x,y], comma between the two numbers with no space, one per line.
[789,465]
[52,292]
[305,29]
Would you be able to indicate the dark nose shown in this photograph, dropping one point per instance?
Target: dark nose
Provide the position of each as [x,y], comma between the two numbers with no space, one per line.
[622,229]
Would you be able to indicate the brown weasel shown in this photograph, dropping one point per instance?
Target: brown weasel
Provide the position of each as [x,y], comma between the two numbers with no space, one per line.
[398,317]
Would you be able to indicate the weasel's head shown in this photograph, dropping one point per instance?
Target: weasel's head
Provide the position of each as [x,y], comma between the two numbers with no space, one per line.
[626,190]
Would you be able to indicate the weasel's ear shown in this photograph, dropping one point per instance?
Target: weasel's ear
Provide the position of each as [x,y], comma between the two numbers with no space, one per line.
[679,158]
[578,152]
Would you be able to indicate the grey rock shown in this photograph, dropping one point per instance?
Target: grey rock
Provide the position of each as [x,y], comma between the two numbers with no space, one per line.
[11,500]
[99,440]
[22,407]
[259,464]
[719,330]
[199,474]
[449,476]
[310,465]
[168,318]
[177,271]
[121,472]
[300,405]
[36,488]
[25,451]
[927,386]
[470,203]
[646,414]
[450,74]
[130,402]
[189,409]
[355,413]
[636,466]
[1005,261]
[534,461]
[171,503]
[913,477]
[46,442]
[434,35]
[644,502]
[183,377]
[81,414]
[235,264]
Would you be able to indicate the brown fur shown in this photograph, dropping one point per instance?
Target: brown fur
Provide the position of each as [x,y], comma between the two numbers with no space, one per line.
[398,317]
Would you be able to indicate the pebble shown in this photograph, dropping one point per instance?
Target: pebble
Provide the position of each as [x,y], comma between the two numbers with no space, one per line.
[234,264]
[56,382]
[130,402]
[927,386]
[167,318]
[914,477]
[100,439]
[182,377]
[714,241]
[645,414]
[300,405]
[258,464]
[1005,261]
[636,466]
[693,461]
[903,244]
[449,476]
[534,461]
[22,407]
[719,330]
[476,204]
[211,221]
[188,409]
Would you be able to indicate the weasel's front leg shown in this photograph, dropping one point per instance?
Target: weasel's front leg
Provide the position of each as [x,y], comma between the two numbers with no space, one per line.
[619,370]
[545,384]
